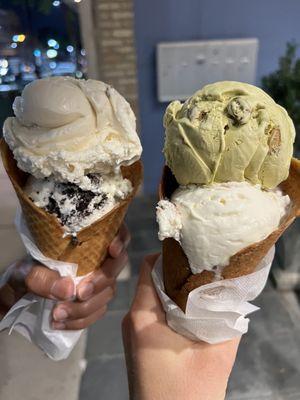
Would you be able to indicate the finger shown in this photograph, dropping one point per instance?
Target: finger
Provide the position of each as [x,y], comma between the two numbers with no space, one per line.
[81,323]
[113,266]
[47,283]
[77,310]
[105,276]
[125,235]
[120,242]
[146,297]
[93,284]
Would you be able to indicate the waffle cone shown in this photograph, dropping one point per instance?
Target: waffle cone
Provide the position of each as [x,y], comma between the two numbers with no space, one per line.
[89,248]
[178,278]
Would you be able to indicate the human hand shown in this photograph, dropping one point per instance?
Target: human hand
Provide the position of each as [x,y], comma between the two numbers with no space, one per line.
[92,294]
[162,364]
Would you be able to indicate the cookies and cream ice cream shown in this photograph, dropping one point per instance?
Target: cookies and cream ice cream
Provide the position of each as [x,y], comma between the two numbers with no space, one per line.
[228,131]
[75,207]
[66,128]
[214,222]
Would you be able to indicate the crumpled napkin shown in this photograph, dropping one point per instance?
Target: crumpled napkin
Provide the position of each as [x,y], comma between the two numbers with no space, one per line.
[215,312]
[31,315]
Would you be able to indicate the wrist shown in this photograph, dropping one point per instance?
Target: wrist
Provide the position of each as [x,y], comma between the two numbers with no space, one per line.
[190,375]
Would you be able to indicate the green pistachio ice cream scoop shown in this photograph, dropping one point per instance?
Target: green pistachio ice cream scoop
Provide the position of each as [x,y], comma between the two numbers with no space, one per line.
[228,131]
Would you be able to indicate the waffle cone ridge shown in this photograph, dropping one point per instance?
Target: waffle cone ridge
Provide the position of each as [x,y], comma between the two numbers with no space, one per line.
[89,248]
[178,278]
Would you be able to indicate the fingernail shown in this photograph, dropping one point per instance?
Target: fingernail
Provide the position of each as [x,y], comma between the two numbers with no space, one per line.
[86,291]
[60,314]
[62,288]
[58,325]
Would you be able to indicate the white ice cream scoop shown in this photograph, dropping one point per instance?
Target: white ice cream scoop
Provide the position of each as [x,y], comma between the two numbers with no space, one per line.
[215,222]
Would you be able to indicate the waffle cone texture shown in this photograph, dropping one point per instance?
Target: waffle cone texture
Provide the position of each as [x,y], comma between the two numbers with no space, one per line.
[89,248]
[178,278]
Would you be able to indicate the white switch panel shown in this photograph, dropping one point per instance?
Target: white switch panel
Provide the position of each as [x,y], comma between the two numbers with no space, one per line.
[184,67]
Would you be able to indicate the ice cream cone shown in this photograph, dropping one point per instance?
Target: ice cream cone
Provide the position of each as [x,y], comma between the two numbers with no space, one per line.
[178,278]
[89,248]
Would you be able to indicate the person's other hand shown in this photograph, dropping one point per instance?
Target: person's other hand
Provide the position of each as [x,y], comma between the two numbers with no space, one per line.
[162,364]
[92,294]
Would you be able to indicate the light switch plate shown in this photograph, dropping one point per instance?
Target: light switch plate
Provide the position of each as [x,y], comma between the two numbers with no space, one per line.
[184,67]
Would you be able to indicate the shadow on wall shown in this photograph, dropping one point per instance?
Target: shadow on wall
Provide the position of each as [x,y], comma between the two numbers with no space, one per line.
[171,20]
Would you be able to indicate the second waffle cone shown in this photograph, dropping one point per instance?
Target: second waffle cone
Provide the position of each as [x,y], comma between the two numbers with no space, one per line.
[178,278]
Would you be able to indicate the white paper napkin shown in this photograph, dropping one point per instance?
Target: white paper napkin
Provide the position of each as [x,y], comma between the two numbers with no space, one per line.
[31,315]
[215,312]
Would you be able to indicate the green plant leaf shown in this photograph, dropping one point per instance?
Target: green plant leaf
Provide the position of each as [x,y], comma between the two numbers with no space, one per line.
[283,85]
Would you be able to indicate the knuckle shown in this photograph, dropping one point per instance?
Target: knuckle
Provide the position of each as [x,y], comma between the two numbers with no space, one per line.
[83,308]
[137,320]
[81,324]
[33,276]
[111,281]
[131,324]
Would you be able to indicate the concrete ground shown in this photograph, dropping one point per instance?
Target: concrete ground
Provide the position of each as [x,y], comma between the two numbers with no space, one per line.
[267,366]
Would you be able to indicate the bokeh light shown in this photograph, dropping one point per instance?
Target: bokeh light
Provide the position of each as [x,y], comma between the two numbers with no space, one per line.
[70,49]
[51,53]
[37,53]
[52,42]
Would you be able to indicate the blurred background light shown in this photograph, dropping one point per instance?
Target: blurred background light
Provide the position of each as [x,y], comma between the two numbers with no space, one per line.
[51,53]
[19,38]
[3,71]
[3,63]
[70,48]
[52,42]
[37,53]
